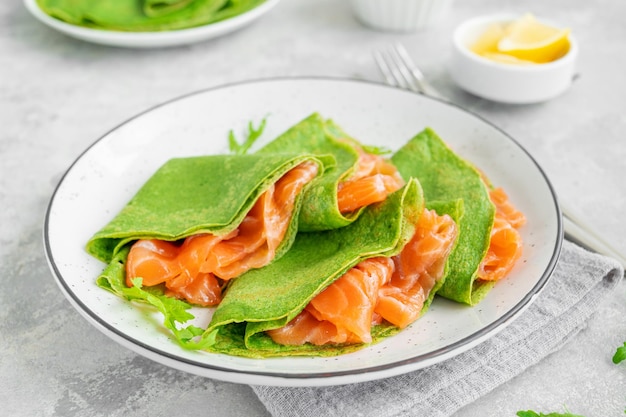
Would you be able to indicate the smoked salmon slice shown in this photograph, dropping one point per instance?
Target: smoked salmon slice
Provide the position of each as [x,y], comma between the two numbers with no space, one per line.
[505,245]
[505,209]
[418,268]
[394,289]
[196,269]
[342,313]
[375,178]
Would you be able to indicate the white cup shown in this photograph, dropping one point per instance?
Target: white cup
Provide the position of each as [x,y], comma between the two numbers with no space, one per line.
[400,15]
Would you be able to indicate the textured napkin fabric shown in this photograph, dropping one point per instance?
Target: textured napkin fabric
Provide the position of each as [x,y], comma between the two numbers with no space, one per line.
[580,281]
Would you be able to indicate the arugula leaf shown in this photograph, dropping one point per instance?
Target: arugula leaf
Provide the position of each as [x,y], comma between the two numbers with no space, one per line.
[620,355]
[253,134]
[174,311]
[530,413]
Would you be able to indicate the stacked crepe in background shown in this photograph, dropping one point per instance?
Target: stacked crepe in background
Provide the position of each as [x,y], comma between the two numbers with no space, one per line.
[367,243]
[145,15]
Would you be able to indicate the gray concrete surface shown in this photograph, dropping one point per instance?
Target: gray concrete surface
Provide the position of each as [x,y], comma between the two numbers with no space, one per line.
[58,95]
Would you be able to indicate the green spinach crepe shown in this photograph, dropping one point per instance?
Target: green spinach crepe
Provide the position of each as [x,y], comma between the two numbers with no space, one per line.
[270,297]
[204,194]
[319,136]
[445,176]
[145,15]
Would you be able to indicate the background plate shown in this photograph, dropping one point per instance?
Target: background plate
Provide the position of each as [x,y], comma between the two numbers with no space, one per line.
[151,39]
[107,175]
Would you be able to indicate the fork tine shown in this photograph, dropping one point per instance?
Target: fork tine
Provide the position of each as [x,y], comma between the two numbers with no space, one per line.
[402,72]
[384,68]
[399,70]
[412,72]
[418,77]
[395,70]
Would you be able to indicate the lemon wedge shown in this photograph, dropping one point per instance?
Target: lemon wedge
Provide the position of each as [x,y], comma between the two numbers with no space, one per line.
[530,40]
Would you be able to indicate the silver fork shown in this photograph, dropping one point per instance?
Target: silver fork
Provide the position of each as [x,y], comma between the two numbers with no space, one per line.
[399,70]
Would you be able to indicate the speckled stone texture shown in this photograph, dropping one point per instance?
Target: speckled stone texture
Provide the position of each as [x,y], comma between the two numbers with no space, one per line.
[58,95]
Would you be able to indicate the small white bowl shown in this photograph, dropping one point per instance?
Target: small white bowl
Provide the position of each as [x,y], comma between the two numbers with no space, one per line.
[400,15]
[506,83]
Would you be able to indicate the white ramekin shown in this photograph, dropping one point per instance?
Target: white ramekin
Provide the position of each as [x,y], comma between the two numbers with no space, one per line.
[507,83]
[400,15]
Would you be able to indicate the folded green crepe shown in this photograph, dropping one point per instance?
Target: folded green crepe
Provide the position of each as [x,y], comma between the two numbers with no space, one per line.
[269,297]
[445,176]
[204,194]
[316,135]
[145,15]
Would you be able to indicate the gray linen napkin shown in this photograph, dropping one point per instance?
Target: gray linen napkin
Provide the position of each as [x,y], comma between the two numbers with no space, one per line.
[581,279]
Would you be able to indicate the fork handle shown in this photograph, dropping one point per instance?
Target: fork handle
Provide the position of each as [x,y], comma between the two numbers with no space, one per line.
[577,230]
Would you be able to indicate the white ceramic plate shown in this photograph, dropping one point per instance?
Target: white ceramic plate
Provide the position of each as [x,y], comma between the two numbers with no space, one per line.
[151,39]
[106,176]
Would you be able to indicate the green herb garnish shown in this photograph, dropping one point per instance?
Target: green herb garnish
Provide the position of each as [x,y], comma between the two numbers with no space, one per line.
[530,413]
[253,134]
[620,355]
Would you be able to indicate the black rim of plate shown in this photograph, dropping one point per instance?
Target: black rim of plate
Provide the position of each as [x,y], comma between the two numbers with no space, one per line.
[443,352]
